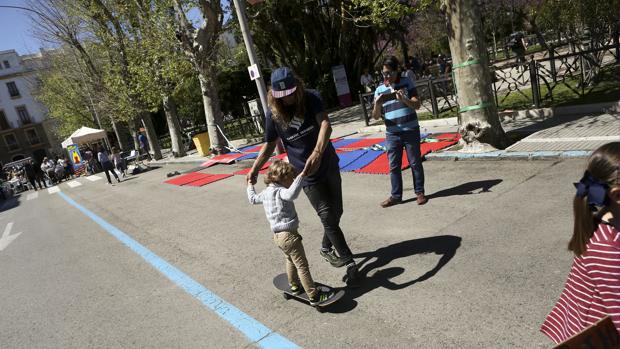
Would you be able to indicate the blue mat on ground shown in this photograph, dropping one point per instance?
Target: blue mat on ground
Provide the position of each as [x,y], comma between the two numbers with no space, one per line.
[248,147]
[344,142]
[348,157]
[366,158]
[248,156]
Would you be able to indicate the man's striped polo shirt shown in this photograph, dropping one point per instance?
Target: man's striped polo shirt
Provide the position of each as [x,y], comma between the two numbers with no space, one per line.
[398,116]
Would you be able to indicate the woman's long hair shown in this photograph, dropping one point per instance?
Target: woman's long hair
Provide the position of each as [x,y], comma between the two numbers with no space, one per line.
[283,114]
[603,166]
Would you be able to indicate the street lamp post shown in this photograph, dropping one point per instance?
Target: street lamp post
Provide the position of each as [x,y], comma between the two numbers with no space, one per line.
[249,46]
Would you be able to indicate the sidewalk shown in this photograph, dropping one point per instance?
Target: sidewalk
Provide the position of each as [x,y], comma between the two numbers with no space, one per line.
[565,132]
[573,131]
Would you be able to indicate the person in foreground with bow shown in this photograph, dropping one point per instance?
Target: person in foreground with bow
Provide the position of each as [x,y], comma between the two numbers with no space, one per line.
[592,290]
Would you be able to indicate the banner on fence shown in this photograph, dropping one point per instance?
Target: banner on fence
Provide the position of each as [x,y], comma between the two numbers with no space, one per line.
[342,85]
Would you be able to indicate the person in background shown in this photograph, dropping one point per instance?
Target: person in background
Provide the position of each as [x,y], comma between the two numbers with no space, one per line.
[106,164]
[144,145]
[397,98]
[119,162]
[367,83]
[30,172]
[592,290]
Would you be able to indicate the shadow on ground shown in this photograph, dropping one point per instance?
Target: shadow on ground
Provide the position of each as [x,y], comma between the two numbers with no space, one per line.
[374,275]
[9,203]
[469,188]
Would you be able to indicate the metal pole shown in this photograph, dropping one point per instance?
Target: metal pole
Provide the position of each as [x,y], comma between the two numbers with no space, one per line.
[249,46]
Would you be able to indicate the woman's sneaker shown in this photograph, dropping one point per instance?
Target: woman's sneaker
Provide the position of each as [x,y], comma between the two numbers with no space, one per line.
[332,258]
[321,296]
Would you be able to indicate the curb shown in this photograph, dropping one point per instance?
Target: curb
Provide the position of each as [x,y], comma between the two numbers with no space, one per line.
[508,155]
[183,162]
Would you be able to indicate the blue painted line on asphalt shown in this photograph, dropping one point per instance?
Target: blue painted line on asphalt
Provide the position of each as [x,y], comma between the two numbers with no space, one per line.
[255,331]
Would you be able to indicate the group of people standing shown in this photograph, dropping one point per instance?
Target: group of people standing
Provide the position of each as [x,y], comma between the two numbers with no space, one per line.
[298,118]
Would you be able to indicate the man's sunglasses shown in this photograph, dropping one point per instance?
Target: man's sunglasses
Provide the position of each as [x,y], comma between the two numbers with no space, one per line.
[387,74]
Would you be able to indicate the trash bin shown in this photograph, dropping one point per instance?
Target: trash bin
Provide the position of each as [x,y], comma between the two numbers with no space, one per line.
[202,142]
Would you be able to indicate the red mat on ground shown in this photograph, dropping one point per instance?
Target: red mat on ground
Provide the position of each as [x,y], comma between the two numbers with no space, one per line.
[382,166]
[245,171]
[254,149]
[186,178]
[212,178]
[222,159]
[446,136]
[363,143]
[263,169]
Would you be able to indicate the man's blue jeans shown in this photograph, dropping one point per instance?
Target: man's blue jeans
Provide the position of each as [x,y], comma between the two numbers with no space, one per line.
[410,140]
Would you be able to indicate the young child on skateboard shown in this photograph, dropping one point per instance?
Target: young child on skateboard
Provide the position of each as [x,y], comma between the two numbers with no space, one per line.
[282,188]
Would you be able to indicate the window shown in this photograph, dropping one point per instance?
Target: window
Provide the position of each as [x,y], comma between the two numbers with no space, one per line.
[33,138]
[13,91]
[4,125]
[6,64]
[11,142]
[24,117]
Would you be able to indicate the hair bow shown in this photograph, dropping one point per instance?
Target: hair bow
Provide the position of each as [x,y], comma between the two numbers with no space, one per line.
[594,189]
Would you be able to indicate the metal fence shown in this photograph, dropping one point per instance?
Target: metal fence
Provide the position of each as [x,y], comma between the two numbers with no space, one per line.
[246,126]
[532,82]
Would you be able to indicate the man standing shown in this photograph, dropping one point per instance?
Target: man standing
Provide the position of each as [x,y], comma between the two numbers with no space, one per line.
[144,145]
[397,98]
[519,47]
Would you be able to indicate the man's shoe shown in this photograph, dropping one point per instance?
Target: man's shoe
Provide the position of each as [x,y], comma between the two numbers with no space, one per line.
[391,201]
[321,296]
[332,258]
[421,199]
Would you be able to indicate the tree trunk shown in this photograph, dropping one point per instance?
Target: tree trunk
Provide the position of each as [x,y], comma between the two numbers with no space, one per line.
[213,114]
[117,133]
[134,126]
[479,127]
[151,135]
[170,108]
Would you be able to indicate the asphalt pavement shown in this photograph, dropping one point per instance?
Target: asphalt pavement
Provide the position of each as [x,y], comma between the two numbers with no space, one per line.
[479,266]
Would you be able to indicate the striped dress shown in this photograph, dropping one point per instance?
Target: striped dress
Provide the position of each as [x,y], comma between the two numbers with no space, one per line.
[592,290]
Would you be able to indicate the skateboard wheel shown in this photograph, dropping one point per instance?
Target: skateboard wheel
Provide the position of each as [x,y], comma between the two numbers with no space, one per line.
[286,296]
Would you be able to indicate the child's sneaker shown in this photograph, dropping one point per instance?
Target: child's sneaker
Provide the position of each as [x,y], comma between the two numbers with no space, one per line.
[296,290]
[321,296]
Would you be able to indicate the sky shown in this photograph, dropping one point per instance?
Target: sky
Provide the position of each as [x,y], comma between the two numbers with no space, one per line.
[16,33]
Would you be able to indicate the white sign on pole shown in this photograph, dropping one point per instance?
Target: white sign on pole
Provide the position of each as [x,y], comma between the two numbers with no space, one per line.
[340,80]
[254,72]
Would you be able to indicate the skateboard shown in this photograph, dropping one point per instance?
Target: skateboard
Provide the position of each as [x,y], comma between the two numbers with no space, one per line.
[281,283]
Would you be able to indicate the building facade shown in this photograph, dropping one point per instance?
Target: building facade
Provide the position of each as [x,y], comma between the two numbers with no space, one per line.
[25,130]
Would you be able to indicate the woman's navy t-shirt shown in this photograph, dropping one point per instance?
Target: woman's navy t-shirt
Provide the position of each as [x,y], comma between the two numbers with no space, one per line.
[300,139]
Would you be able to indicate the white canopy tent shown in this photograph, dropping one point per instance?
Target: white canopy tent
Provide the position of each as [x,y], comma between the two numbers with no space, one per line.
[85,135]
